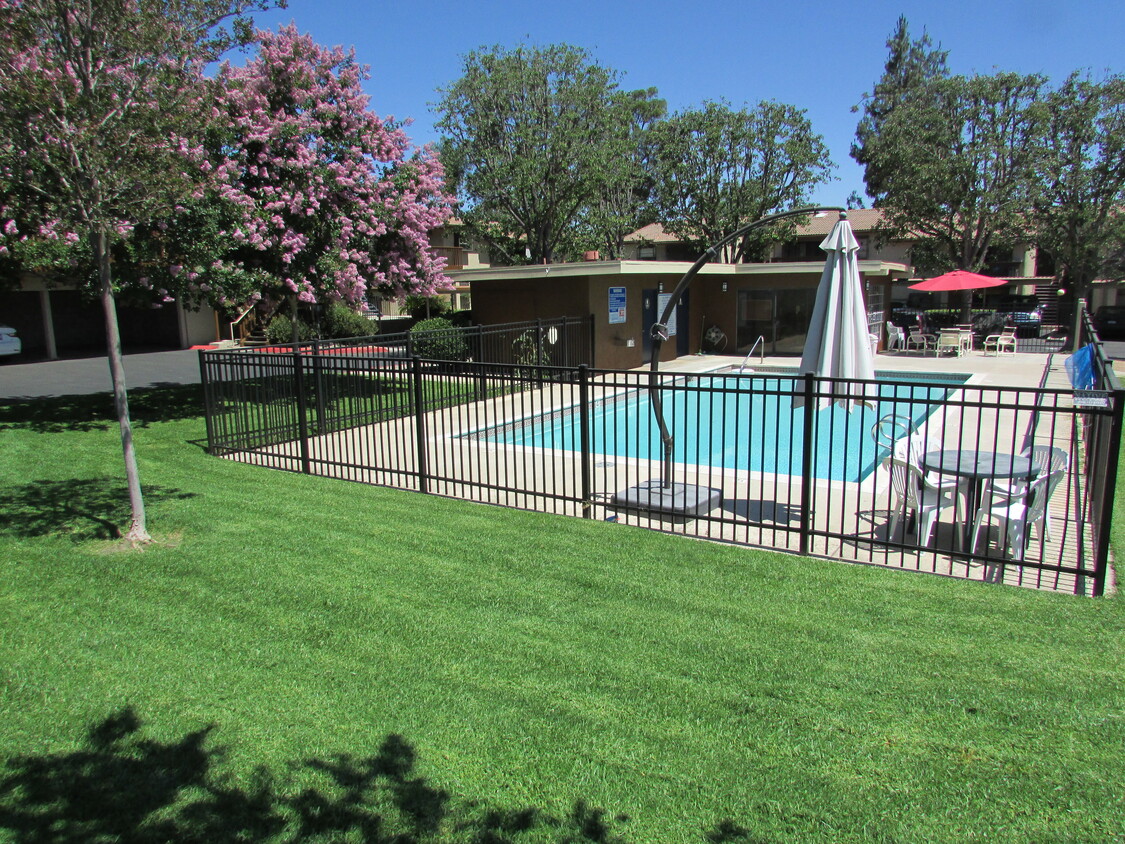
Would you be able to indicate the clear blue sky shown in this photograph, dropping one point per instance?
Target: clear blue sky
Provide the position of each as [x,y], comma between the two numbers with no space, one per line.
[815,55]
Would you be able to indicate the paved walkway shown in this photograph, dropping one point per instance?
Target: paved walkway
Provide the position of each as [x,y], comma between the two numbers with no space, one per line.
[82,376]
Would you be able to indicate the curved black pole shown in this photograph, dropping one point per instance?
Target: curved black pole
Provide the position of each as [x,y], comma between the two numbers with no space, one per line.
[660,328]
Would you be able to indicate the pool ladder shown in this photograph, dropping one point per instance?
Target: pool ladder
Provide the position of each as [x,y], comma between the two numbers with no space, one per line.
[761,341]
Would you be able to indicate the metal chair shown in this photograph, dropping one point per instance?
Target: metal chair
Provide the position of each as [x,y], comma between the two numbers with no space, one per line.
[1002,343]
[917,338]
[949,340]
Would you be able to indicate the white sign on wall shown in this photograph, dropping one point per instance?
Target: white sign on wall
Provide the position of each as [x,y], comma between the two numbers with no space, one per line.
[662,300]
[616,305]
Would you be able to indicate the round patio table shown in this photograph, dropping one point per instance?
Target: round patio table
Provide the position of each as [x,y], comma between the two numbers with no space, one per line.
[978,466]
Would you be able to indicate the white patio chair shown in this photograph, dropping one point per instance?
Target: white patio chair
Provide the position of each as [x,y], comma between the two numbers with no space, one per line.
[893,430]
[949,340]
[966,330]
[1049,459]
[1003,343]
[913,493]
[1017,512]
[896,337]
[917,339]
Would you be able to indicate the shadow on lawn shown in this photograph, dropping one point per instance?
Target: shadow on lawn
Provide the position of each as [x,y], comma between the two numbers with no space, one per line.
[163,403]
[82,509]
[122,786]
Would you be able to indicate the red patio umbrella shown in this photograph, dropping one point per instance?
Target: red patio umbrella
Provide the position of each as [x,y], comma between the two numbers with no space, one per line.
[958,280]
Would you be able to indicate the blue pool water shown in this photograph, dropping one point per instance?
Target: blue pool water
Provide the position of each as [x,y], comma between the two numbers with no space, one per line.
[746,422]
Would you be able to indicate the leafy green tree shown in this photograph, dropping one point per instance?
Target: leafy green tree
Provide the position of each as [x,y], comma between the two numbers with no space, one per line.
[716,169]
[912,65]
[102,101]
[622,200]
[957,166]
[1078,216]
[526,136]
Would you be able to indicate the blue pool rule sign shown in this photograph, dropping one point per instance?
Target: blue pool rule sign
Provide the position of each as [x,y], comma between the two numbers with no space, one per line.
[616,305]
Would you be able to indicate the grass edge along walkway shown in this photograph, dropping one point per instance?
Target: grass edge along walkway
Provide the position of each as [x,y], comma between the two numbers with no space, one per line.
[307,659]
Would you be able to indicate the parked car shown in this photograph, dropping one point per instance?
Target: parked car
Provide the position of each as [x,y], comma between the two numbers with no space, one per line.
[10,344]
[1109,321]
[1024,312]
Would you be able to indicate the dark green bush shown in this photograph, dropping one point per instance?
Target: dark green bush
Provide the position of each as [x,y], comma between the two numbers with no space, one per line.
[341,321]
[336,320]
[437,339]
[280,330]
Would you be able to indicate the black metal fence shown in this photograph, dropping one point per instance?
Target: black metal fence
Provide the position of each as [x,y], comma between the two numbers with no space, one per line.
[1100,433]
[748,466]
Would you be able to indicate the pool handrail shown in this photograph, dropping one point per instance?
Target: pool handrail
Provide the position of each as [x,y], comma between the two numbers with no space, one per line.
[761,341]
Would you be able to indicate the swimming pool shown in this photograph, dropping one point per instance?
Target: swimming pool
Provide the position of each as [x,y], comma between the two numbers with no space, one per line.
[734,422]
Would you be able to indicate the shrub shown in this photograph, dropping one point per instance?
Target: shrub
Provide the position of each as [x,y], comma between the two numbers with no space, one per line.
[336,320]
[280,330]
[437,339]
[341,321]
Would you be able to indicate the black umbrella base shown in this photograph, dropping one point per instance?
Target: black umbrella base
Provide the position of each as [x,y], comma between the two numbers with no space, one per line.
[677,503]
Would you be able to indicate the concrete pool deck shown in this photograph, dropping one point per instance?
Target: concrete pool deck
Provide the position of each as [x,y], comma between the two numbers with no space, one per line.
[1027,370]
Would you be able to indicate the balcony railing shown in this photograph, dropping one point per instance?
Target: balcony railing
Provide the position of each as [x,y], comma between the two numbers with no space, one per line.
[456,257]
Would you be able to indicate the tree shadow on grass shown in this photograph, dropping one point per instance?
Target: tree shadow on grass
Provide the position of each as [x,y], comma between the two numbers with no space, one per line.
[95,412]
[122,786]
[81,509]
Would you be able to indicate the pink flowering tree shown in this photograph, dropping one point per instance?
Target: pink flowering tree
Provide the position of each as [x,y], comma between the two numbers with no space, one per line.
[100,98]
[334,201]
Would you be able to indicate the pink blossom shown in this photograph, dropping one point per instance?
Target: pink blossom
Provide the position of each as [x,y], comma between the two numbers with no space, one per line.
[303,199]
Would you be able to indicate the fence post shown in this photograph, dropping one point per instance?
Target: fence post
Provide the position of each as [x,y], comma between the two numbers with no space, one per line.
[806,467]
[564,327]
[208,405]
[318,385]
[302,412]
[584,425]
[480,383]
[1108,470]
[420,425]
[539,342]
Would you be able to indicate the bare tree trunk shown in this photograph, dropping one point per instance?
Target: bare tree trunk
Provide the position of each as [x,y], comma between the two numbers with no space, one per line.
[138,531]
[966,307]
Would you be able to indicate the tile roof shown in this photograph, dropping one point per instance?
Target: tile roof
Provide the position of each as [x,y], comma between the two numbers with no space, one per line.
[652,233]
[862,220]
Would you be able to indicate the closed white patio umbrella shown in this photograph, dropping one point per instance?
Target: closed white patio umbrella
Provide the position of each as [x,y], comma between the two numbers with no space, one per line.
[838,344]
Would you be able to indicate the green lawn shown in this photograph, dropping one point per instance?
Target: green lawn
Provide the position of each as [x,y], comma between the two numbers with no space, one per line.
[300,659]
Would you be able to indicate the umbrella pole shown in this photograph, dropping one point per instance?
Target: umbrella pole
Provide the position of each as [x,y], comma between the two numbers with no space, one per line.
[681,502]
[659,329]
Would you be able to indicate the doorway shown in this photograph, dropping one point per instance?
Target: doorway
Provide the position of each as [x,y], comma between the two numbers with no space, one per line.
[653,303]
[779,317]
